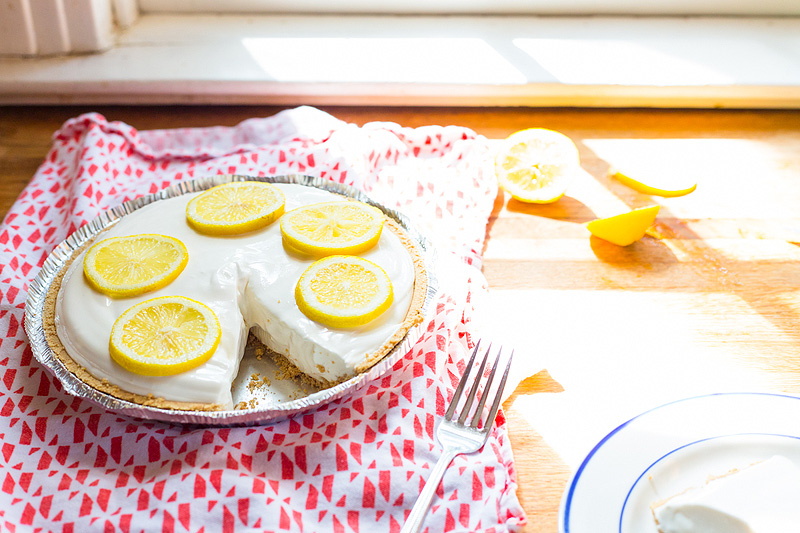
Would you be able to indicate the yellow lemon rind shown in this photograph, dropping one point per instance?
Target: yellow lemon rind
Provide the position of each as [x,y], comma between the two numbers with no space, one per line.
[642,187]
[133,362]
[310,305]
[267,216]
[94,279]
[540,197]
[297,242]
[626,228]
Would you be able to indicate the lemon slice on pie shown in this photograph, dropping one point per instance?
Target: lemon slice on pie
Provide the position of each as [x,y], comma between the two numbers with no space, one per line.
[237,207]
[329,228]
[343,291]
[135,264]
[626,228]
[536,165]
[164,336]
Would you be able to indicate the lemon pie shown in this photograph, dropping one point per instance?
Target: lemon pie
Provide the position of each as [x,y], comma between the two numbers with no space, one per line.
[171,332]
[760,498]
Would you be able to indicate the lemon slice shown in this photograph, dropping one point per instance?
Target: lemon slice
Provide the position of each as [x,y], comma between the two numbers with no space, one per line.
[655,184]
[626,228]
[127,266]
[343,291]
[536,165]
[329,228]
[237,207]
[164,336]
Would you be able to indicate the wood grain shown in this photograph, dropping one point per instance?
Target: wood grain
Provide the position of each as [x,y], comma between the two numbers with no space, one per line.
[708,301]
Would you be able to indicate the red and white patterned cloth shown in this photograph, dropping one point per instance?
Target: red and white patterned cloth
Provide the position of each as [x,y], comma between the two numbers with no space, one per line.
[356,464]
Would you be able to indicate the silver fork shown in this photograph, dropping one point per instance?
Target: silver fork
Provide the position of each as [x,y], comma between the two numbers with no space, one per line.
[455,436]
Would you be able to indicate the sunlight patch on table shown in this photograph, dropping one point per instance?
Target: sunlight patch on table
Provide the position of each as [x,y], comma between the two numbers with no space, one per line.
[619,353]
[735,177]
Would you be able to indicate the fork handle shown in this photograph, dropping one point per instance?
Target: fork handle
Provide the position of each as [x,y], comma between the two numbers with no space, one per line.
[414,522]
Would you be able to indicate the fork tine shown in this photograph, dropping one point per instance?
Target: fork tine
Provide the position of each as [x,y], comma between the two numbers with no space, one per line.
[487,388]
[457,394]
[474,389]
[499,392]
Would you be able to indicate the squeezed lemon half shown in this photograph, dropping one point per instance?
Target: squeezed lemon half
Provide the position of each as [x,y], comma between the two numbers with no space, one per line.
[536,165]
[135,264]
[343,227]
[164,336]
[626,228]
[237,207]
[343,291]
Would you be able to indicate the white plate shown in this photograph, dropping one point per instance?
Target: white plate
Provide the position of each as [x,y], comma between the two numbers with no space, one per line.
[670,448]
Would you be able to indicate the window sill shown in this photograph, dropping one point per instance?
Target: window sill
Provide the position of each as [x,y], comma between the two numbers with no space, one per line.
[427,60]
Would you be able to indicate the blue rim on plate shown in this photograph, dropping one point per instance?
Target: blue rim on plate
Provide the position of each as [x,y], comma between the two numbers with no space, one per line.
[568,502]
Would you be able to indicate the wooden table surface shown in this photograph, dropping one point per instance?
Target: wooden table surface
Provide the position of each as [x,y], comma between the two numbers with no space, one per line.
[709,301]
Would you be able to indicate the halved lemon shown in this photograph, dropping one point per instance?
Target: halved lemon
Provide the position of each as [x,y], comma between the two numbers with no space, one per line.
[626,228]
[536,165]
[237,207]
[135,264]
[344,227]
[655,184]
[343,291]
[164,336]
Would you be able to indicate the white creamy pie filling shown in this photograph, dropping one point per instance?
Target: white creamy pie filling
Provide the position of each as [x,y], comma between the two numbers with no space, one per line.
[762,498]
[249,281]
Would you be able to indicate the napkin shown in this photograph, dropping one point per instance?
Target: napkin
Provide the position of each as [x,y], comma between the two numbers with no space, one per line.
[355,464]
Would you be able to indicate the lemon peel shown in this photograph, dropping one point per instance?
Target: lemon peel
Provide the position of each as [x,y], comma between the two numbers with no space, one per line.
[236,207]
[536,165]
[164,336]
[329,228]
[626,228]
[135,264]
[655,185]
[343,291]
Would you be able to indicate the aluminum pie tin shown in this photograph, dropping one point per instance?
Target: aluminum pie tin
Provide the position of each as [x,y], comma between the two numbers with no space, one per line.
[272,403]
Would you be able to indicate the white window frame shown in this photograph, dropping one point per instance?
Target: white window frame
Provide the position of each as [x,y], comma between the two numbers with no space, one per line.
[486,60]
[482,7]
[52,27]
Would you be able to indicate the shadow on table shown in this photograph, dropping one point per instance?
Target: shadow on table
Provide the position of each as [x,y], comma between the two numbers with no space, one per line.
[566,208]
[541,473]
